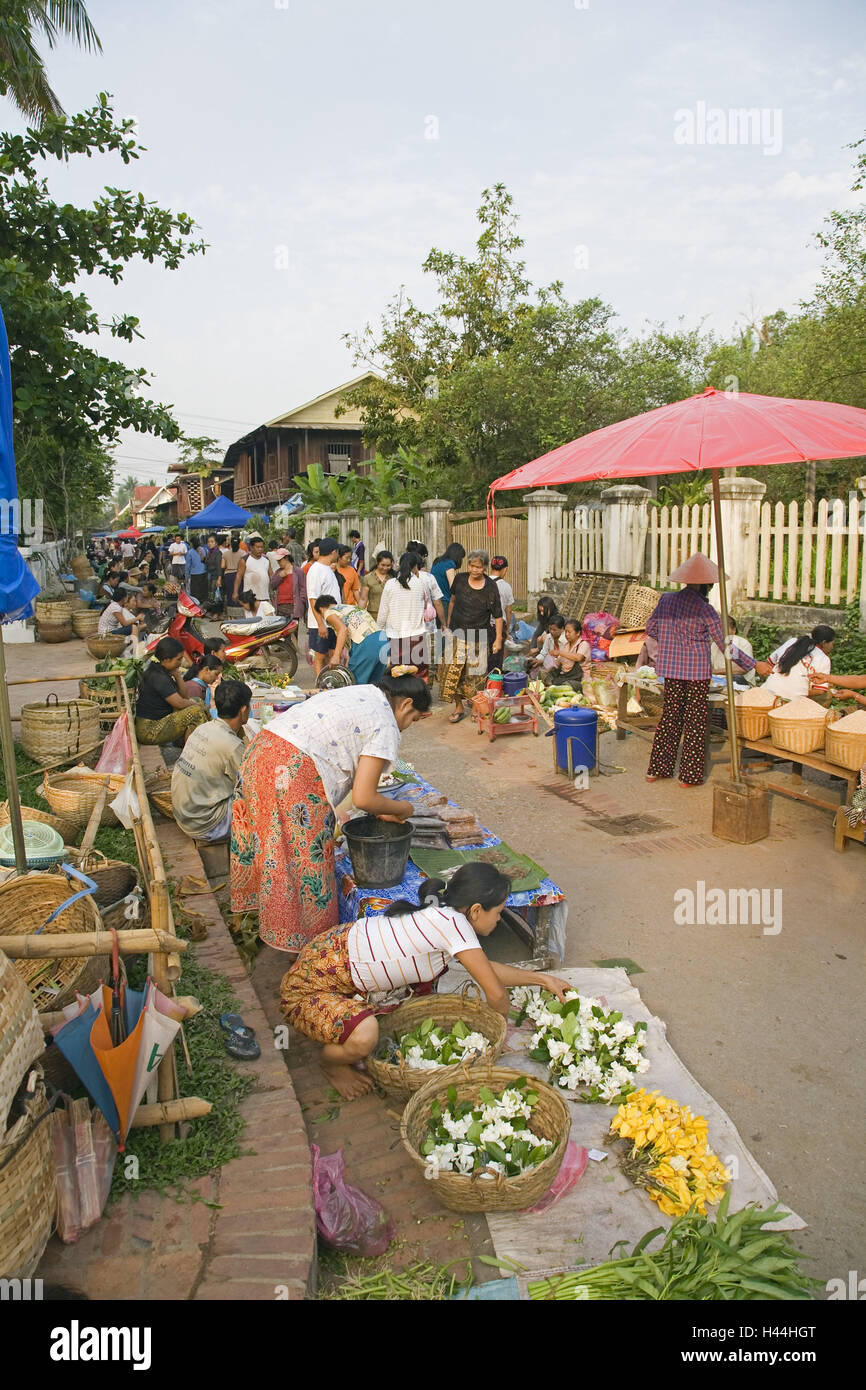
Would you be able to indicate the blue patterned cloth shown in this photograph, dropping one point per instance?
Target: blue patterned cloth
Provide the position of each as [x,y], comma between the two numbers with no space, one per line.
[18,588]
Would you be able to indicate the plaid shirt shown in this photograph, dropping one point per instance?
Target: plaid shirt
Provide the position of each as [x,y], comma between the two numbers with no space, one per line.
[685,626]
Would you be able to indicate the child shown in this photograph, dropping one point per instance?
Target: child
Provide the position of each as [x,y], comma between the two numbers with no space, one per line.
[574,656]
[341,980]
[544,662]
[201,678]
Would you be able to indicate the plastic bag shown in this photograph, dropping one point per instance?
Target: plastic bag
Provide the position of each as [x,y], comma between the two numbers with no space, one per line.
[125,805]
[84,1150]
[571,1170]
[599,630]
[346,1217]
[117,749]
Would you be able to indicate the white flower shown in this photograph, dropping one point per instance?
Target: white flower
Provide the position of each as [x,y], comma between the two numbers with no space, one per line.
[623,1030]
[473,1042]
[559,1051]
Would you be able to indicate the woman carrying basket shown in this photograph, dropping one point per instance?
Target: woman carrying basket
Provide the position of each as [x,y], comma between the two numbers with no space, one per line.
[345,977]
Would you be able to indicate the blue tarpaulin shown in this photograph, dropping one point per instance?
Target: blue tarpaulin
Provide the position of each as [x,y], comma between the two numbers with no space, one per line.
[18,588]
[220,513]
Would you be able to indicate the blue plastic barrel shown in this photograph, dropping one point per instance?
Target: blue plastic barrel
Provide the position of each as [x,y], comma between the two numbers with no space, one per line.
[576,726]
[514,682]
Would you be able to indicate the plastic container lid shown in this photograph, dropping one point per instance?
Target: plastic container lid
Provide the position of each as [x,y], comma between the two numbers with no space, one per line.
[42,845]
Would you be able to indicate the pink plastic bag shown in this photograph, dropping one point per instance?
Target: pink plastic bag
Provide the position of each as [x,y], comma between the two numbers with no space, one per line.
[117,749]
[572,1168]
[346,1217]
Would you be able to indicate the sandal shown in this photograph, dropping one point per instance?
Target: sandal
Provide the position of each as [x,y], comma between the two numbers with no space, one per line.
[455,718]
[241,1048]
[234,1025]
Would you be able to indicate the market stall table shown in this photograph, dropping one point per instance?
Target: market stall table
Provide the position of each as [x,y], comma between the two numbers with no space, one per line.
[799,760]
[539,915]
[645,724]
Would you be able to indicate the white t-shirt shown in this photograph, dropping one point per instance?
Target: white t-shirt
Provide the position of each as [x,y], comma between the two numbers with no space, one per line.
[336,728]
[177,550]
[321,579]
[819,659]
[506,594]
[257,576]
[114,617]
[127,550]
[387,953]
[401,611]
[799,679]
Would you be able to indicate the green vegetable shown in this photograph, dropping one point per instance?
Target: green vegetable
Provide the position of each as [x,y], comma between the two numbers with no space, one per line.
[729,1259]
[501,716]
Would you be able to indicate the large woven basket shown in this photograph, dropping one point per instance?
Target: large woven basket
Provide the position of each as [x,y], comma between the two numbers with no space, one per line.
[752,723]
[551,1119]
[62,824]
[115,880]
[847,750]
[158,788]
[25,905]
[52,610]
[73,795]
[401,1080]
[28,1197]
[54,632]
[85,622]
[796,735]
[100,647]
[81,567]
[640,601]
[21,1040]
[107,697]
[56,730]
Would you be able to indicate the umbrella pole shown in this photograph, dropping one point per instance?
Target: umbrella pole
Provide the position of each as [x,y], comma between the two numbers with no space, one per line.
[723,605]
[8,745]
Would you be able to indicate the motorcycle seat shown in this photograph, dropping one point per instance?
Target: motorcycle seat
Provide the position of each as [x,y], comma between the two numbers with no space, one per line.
[256,628]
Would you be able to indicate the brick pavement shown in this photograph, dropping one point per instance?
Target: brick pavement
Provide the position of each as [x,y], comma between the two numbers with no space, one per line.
[256,1237]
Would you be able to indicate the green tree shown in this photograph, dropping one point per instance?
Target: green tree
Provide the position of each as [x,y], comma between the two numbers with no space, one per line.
[70,401]
[22,71]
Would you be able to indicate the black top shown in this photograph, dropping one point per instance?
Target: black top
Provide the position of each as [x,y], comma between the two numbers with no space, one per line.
[153,688]
[474,609]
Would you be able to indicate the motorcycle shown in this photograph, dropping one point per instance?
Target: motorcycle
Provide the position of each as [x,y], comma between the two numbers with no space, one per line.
[251,646]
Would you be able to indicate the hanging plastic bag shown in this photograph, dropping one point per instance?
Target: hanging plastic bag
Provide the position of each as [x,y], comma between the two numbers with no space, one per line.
[346,1217]
[125,805]
[117,749]
[571,1170]
[84,1150]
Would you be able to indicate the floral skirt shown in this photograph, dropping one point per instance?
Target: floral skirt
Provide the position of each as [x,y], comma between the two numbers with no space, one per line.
[282,848]
[318,995]
[174,726]
[464,672]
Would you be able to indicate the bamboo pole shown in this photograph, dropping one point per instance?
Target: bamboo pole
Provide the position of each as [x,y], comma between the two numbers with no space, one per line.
[53,1018]
[170,1112]
[30,946]
[8,745]
[723,605]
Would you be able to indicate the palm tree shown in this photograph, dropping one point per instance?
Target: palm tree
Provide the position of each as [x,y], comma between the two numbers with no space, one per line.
[22,72]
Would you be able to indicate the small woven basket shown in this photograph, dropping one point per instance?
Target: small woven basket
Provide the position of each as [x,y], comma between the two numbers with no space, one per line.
[25,906]
[59,729]
[847,750]
[85,621]
[107,697]
[81,567]
[73,795]
[62,824]
[551,1119]
[752,723]
[158,788]
[100,647]
[401,1080]
[28,1197]
[640,601]
[21,1034]
[796,735]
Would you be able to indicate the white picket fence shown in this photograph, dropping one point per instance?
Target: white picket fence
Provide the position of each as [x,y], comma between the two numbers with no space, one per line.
[578,543]
[809,554]
[674,534]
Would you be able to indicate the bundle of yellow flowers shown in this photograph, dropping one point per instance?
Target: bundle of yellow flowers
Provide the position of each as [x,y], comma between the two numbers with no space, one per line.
[669,1153]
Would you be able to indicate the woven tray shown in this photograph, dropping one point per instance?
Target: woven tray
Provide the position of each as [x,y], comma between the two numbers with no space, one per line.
[401,1080]
[551,1119]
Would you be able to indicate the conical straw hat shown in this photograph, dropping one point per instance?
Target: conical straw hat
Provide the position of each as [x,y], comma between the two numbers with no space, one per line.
[697,569]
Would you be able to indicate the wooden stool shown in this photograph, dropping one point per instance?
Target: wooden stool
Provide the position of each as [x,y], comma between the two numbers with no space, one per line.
[845,832]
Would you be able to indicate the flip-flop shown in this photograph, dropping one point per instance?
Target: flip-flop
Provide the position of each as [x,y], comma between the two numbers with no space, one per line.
[455,718]
[234,1024]
[241,1048]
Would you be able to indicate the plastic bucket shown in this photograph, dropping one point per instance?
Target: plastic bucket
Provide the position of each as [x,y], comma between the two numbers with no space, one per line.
[378,849]
[576,726]
[514,682]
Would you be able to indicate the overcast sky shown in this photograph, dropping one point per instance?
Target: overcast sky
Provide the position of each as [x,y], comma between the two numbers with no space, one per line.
[324,147]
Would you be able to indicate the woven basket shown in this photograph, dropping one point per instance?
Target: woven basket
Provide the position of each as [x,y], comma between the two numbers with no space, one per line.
[81,567]
[74,795]
[54,632]
[401,1080]
[85,621]
[158,788]
[847,750]
[100,647]
[62,824]
[110,702]
[25,904]
[77,604]
[640,602]
[28,1198]
[551,1119]
[59,729]
[752,723]
[52,610]
[796,735]
[115,880]
[21,1040]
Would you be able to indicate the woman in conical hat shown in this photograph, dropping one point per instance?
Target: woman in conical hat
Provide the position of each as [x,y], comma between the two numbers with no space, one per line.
[685,627]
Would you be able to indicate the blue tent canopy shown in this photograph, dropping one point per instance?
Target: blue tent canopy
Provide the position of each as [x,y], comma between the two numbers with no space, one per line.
[221,513]
[18,588]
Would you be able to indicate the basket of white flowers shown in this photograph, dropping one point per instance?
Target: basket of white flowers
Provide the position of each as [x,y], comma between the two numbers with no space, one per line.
[492,1141]
[441,1034]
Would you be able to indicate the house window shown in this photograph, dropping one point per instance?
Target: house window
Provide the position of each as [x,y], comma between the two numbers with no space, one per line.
[338,456]
[256,465]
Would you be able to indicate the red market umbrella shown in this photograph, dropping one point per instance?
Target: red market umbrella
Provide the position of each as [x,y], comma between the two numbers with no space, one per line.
[717,429]
[132,533]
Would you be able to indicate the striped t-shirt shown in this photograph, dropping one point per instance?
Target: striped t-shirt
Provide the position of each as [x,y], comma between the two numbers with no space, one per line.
[387,953]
